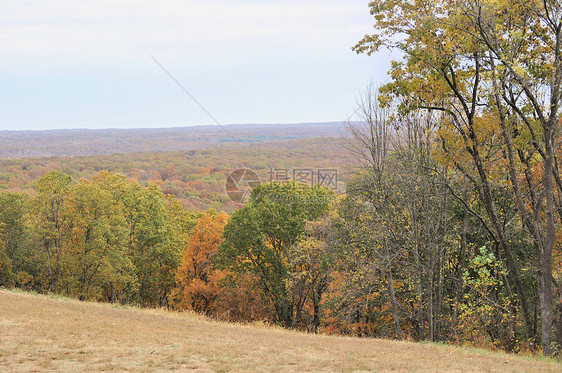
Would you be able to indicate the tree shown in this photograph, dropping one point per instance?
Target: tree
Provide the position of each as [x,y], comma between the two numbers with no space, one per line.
[258,237]
[95,251]
[155,237]
[12,235]
[196,278]
[396,212]
[311,263]
[50,227]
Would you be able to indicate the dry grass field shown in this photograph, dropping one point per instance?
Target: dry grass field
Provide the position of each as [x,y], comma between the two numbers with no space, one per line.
[40,333]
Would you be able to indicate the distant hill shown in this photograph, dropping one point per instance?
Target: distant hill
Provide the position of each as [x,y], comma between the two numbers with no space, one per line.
[40,333]
[21,144]
[197,177]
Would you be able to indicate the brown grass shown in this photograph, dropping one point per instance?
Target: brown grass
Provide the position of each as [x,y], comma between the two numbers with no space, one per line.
[40,333]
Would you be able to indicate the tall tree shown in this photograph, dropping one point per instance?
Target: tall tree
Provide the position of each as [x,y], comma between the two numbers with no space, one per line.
[258,237]
[95,252]
[50,226]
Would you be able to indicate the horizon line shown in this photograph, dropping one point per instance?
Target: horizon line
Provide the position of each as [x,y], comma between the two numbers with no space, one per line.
[171,127]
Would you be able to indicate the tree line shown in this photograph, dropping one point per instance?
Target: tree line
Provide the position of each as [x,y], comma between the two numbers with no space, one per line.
[106,239]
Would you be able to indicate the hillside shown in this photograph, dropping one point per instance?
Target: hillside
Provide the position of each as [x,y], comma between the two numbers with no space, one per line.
[19,144]
[39,333]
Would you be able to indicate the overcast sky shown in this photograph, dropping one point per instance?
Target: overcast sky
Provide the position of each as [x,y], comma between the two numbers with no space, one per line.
[84,64]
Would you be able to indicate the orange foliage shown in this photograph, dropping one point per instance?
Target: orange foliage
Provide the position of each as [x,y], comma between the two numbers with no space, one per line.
[241,299]
[196,279]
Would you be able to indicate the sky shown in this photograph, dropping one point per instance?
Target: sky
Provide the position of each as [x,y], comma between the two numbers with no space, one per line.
[87,64]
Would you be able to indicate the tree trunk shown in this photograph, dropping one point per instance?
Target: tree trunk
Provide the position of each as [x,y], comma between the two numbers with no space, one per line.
[393,304]
[486,195]
[316,313]
[459,272]
[545,257]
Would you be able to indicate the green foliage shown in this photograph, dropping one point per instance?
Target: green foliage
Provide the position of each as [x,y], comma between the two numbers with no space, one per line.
[107,238]
[486,314]
[12,235]
[258,237]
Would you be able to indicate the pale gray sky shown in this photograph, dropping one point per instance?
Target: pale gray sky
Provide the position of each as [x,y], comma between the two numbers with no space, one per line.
[83,64]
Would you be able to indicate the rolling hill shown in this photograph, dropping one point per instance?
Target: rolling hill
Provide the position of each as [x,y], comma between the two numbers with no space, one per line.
[197,177]
[19,144]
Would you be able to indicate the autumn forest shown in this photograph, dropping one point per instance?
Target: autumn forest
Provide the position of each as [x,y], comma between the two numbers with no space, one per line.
[442,221]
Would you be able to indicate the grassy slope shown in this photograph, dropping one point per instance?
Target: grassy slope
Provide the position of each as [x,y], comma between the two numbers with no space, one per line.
[39,333]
